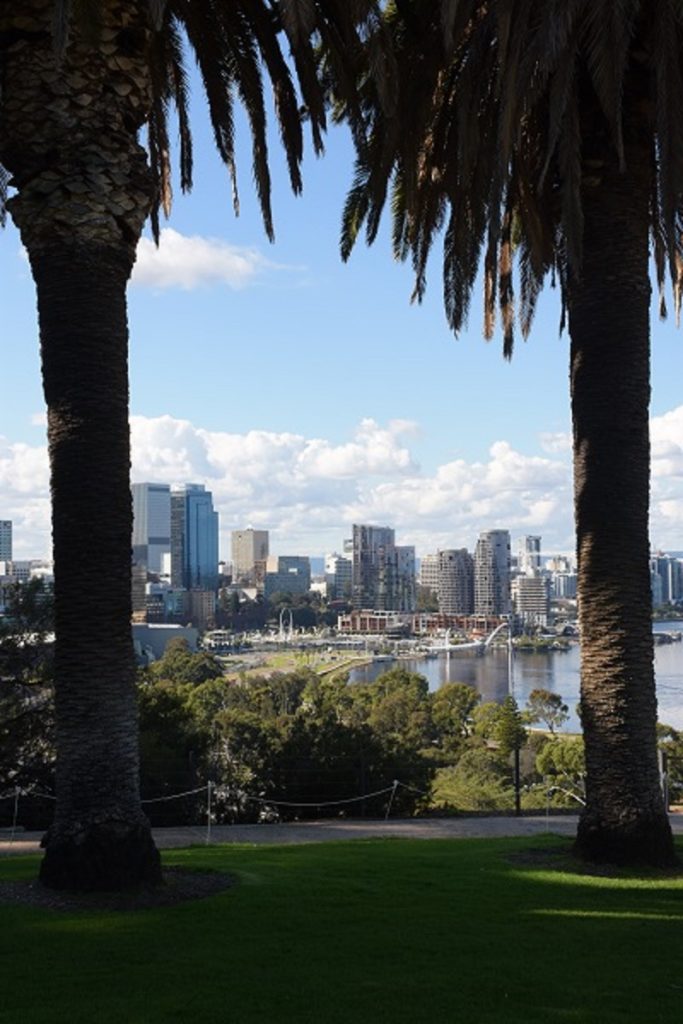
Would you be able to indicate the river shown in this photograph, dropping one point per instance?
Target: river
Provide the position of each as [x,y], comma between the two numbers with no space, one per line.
[557,671]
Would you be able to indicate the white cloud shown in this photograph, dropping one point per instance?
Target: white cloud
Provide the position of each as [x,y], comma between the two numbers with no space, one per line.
[191,261]
[309,490]
[555,443]
[666,433]
[24,497]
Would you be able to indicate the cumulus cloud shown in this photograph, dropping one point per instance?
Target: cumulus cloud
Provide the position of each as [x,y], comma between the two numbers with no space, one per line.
[555,443]
[191,261]
[24,497]
[309,490]
[666,433]
[313,489]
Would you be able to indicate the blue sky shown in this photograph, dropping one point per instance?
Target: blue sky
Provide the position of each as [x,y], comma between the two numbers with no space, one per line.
[308,394]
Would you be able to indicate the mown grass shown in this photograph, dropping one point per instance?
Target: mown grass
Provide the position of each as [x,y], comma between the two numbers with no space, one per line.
[369,931]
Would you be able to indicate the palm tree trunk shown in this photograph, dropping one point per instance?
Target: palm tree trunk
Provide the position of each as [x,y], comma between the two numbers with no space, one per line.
[99,839]
[624,820]
[69,137]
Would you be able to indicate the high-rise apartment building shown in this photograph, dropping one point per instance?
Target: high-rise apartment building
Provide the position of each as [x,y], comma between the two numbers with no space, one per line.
[372,550]
[405,595]
[563,585]
[429,573]
[531,598]
[455,587]
[152,526]
[667,578]
[529,555]
[338,577]
[383,575]
[492,573]
[194,538]
[249,555]
[5,540]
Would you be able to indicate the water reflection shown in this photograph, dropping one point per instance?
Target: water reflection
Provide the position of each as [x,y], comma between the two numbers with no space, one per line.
[557,671]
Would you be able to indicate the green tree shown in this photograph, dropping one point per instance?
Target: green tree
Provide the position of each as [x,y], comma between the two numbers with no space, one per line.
[82,85]
[453,707]
[545,139]
[509,731]
[485,720]
[547,707]
[180,665]
[480,781]
[171,748]
[400,710]
[562,763]
[27,742]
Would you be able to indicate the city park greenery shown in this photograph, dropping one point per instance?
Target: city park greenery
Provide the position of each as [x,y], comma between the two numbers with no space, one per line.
[306,737]
[384,931]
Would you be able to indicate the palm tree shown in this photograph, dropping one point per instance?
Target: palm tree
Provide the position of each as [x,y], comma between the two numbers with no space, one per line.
[544,137]
[79,83]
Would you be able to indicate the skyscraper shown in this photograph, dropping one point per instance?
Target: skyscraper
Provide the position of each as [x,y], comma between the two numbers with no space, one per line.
[455,582]
[383,575]
[5,540]
[151,526]
[371,579]
[194,538]
[492,573]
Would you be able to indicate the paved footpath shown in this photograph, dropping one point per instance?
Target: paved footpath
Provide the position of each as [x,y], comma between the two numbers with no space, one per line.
[326,831]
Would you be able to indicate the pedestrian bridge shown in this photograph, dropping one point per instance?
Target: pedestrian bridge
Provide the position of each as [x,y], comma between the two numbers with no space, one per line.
[480,646]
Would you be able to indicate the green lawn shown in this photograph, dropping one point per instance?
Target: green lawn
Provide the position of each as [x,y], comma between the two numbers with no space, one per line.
[382,930]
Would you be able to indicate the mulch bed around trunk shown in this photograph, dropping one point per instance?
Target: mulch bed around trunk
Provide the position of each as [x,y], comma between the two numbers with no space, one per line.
[179,886]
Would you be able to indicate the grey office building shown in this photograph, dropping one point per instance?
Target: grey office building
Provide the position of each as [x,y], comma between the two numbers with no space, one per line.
[151,525]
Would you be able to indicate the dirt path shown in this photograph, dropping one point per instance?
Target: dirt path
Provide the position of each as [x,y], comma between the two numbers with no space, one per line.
[327,831]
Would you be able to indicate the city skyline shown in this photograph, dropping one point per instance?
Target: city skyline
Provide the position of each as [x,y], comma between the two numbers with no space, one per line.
[305,394]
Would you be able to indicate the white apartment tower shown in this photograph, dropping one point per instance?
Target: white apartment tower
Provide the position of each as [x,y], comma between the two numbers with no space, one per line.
[492,573]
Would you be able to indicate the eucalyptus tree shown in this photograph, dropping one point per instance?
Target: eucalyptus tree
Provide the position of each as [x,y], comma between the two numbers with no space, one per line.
[86,92]
[542,138]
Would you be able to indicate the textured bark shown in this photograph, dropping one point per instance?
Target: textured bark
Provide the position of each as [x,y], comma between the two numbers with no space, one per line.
[68,127]
[609,313]
[69,138]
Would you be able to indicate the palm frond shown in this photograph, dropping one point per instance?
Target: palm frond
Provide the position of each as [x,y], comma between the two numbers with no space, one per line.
[608,28]
[355,208]
[4,182]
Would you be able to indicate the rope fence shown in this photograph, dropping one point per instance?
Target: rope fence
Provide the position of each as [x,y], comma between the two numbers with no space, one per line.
[212,790]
